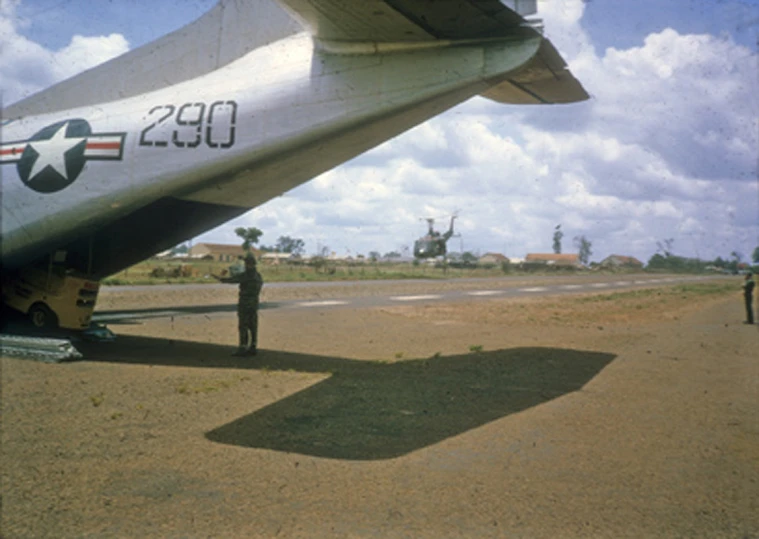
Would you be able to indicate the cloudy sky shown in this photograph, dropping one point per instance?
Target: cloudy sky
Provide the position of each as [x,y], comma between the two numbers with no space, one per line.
[667,147]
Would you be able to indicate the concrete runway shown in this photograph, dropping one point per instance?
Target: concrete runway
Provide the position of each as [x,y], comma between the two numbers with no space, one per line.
[360,297]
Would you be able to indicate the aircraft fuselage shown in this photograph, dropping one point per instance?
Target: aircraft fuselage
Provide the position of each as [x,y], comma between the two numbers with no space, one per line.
[233,138]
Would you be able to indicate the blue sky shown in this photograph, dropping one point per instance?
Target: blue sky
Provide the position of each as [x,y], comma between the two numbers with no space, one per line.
[624,23]
[667,147]
[51,23]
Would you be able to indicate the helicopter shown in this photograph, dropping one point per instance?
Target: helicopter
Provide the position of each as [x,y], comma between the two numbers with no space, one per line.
[433,244]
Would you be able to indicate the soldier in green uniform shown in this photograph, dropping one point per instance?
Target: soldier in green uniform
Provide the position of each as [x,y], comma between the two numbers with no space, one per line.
[748,291]
[247,306]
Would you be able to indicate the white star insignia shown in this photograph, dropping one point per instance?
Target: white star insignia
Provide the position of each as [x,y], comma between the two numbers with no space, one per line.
[52,152]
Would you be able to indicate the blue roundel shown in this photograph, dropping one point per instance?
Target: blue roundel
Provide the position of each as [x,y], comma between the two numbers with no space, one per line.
[54,156]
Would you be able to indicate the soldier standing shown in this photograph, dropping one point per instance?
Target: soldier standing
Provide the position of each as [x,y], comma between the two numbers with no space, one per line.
[247,306]
[748,291]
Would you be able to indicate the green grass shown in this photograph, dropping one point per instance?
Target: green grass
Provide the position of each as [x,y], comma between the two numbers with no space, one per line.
[682,290]
[706,289]
[175,272]
[145,272]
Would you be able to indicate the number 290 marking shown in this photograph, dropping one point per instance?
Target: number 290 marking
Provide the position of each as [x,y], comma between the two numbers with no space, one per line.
[191,124]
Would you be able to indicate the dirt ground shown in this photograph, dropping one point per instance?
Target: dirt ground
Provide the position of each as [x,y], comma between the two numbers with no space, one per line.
[628,415]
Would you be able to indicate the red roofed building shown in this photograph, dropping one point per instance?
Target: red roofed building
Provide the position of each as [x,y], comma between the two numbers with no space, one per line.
[619,261]
[218,251]
[553,259]
[492,258]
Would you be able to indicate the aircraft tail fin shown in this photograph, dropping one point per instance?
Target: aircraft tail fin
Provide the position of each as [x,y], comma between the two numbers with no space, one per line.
[229,30]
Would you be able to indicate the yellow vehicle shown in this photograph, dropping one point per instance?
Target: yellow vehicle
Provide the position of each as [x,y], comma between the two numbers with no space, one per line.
[52,296]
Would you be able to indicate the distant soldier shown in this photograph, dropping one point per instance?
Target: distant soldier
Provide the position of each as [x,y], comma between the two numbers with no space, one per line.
[247,306]
[748,291]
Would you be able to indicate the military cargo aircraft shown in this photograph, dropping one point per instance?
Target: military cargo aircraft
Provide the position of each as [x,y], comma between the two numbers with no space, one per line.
[254,98]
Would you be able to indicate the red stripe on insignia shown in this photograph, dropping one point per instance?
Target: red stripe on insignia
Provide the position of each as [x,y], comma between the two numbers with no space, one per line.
[13,151]
[103,145]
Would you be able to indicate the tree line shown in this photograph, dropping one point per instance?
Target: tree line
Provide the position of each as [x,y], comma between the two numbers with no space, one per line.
[582,244]
[663,259]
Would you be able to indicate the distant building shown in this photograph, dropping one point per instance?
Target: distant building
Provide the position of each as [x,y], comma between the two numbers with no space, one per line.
[492,258]
[276,258]
[217,251]
[619,261]
[165,254]
[553,259]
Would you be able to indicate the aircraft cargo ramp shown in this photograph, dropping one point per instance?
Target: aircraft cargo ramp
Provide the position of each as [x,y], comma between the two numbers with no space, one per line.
[38,348]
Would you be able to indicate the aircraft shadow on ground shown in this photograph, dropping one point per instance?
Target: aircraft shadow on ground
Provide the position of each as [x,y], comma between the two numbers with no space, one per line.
[13,322]
[369,410]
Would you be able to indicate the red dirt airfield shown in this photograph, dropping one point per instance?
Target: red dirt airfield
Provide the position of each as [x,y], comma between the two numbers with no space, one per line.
[628,414]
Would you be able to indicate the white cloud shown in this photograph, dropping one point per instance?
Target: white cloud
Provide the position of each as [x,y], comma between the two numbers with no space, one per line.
[670,137]
[26,67]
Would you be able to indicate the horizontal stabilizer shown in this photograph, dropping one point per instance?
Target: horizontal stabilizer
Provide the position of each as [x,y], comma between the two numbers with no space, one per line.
[341,24]
[397,21]
[543,80]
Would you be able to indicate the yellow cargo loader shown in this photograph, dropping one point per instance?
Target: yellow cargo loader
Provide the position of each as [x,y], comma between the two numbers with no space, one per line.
[52,296]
